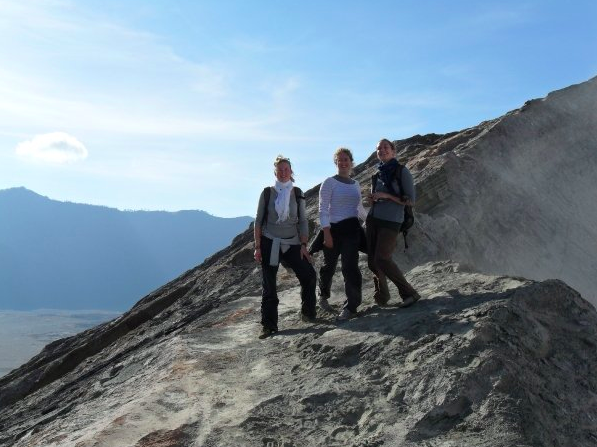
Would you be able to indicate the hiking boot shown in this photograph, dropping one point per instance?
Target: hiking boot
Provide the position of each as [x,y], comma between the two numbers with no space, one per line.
[345,315]
[410,300]
[324,304]
[306,318]
[380,302]
[380,299]
[266,332]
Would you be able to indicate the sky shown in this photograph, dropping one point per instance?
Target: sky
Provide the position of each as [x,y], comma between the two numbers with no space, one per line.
[176,104]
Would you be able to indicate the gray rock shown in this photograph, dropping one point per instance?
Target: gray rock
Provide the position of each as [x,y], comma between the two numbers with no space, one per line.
[480,360]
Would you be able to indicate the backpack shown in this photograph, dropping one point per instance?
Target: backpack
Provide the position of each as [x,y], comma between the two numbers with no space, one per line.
[298,194]
[409,216]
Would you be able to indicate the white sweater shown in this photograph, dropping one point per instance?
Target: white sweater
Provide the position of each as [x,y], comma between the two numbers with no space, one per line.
[339,201]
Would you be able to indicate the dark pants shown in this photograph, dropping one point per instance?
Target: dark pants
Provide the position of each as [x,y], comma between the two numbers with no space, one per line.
[303,270]
[381,243]
[346,236]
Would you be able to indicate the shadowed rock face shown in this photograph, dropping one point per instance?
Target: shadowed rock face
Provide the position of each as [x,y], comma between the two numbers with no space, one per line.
[481,360]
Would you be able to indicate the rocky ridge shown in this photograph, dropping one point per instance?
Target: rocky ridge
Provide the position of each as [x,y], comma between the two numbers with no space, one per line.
[487,360]
[481,360]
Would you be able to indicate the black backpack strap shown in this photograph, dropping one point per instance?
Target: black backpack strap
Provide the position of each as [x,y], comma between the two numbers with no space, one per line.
[266,195]
[398,177]
[401,191]
[298,194]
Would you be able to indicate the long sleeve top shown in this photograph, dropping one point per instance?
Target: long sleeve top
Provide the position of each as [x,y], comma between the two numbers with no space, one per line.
[338,201]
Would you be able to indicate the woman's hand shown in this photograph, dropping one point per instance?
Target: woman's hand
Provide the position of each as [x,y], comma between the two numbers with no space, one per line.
[328,240]
[305,253]
[406,201]
[387,196]
[381,196]
[257,254]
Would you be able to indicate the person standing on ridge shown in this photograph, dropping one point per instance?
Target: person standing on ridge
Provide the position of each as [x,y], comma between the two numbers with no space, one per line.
[339,210]
[383,224]
[281,231]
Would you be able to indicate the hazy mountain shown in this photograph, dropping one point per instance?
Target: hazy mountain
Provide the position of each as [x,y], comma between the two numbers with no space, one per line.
[65,255]
[484,360]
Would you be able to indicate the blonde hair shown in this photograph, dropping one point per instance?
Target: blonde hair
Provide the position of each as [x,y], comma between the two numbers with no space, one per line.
[343,150]
[282,159]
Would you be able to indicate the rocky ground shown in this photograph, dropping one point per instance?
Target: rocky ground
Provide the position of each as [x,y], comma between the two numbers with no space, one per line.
[480,360]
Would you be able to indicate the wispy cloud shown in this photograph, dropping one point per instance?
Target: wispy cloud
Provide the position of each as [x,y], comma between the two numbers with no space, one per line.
[255,45]
[496,16]
[103,77]
[282,89]
[422,99]
[54,148]
[98,73]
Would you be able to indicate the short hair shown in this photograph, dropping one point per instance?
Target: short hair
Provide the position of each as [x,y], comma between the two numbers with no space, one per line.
[282,159]
[388,141]
[343,150]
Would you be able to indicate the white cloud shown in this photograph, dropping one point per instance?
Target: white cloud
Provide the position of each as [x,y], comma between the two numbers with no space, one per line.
[55,148]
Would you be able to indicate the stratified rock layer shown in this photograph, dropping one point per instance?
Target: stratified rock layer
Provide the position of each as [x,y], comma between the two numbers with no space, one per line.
[481,360]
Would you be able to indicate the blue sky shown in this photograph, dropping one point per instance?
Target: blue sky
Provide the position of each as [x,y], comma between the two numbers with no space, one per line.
[184,104]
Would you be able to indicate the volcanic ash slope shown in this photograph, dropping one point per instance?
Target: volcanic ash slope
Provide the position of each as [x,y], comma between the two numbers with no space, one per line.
[481,360]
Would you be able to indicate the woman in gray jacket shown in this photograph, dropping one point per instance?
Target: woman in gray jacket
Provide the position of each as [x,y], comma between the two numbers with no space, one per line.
[383,225]
[281,232]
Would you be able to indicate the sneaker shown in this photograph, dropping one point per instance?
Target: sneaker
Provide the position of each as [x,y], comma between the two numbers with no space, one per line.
[410,300]
[324,304]
[306,318]
[345,315]
[266,332]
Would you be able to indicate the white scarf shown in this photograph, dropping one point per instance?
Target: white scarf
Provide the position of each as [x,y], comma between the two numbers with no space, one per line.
[282,203]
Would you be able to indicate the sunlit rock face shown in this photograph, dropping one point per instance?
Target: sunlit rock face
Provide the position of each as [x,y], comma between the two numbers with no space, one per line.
[485,358]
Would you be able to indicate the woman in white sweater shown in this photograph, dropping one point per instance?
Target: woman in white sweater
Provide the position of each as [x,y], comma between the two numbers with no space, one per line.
[339,210]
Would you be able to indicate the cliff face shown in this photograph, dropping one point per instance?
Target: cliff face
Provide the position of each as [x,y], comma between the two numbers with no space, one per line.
[480,360]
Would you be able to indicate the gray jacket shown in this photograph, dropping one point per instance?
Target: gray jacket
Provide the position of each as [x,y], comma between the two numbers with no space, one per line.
[291,227]
[387,209]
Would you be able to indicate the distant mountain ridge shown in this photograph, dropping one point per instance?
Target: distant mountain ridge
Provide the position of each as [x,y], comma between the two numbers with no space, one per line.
[67,255]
